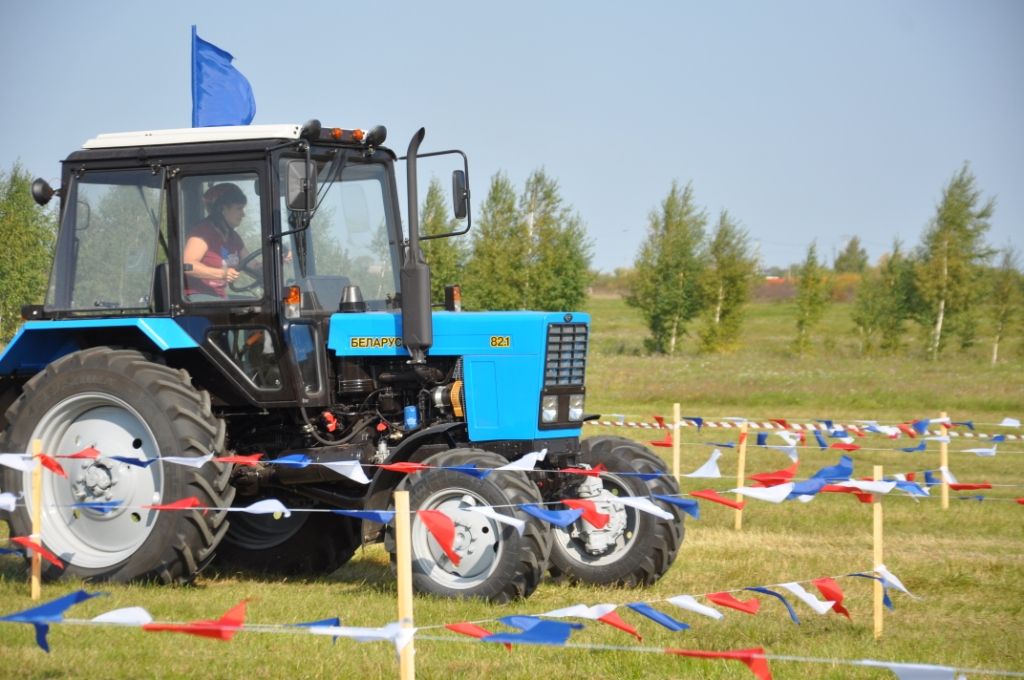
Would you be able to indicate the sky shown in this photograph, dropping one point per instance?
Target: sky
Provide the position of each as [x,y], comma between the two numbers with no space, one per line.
[806,121]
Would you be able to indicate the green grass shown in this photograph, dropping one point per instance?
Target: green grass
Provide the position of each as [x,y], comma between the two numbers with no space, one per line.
[967,563]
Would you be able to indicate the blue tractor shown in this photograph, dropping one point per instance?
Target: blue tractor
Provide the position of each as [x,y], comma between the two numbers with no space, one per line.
[218,293]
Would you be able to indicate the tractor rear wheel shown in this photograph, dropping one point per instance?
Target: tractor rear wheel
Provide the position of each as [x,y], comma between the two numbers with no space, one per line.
[634,548]
[124,406]
[496,562]
[307,544]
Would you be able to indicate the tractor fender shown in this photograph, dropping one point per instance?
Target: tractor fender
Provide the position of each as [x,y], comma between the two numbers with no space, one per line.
[39,343]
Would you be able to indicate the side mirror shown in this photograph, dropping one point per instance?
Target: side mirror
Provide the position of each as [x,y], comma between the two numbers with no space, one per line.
[301,185]
[42,192]
[460,194]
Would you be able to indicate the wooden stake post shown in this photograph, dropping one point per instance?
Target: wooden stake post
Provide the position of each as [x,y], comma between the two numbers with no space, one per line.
[403,551]
[37,520]
[741,472]
[675,441]
[944,461]
[877,553]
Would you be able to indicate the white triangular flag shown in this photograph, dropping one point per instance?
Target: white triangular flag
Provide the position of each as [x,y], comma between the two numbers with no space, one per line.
[349,468]
[949,475]
[643,504]
[18,461]
[581,611]
[891,580]
[487,511]
[1010,422]
[771,494]
[8,501]
[982,452]
[869,486]
[913,671]
[788,450]
[527,462]
[269,506]
[188,461]
[709,470]
[688,603]
[128,616]
[820,606]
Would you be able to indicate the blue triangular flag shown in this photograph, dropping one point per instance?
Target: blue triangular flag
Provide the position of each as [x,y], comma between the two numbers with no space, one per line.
[912,488]
[762,589]
[921,426]
[645,476]
[292,460]
[724,445]
[688,505]
[560,518]
[836,473]
[535,631]
[335,622]
[886,600]
[659,617]
[999,439]
[379,516]
[103,507]
[914,449]
[826,423]
[969,424]
[699,422]
[807,487]
[762,438]
[471,469]
[137,462]
[930,479]
[821,440]
[47,613]
[220,94]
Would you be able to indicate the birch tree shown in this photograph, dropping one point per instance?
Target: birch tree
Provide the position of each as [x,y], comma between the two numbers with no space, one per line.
[726,284]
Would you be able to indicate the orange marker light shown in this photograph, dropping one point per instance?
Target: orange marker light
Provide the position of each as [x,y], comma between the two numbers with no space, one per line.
[294,296]
[337,133]
[358,135]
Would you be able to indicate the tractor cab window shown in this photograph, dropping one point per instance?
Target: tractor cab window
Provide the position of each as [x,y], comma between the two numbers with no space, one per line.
[222,244]
[108,247]
[349,241]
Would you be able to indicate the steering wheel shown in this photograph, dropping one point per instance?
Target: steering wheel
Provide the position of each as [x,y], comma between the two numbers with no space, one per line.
[243,268]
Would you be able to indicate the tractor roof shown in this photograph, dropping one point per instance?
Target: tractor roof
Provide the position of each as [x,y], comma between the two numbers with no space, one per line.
[192,136]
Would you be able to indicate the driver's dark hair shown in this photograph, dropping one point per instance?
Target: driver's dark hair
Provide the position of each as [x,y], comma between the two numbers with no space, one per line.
[224,194]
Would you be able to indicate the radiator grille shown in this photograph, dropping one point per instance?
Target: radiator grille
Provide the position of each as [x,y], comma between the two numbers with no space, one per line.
[566,361]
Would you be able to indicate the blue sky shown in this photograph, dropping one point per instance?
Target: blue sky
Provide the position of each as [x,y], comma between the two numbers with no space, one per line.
[807,121]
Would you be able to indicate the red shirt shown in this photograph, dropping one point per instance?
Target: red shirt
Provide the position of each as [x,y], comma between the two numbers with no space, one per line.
[221,250]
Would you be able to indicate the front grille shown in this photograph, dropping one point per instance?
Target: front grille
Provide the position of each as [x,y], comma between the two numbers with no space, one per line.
[566,361]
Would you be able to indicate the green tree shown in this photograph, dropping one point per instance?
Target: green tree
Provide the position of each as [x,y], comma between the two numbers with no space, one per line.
[1006,289]
[27,232]
[884,303]
[497,274]
[812,294]
[446,256]
[559,261]
[948,273]
[669,268]
[853,259]
[726,284]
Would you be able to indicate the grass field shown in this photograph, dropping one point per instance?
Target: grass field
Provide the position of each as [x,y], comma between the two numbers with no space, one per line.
[966,564]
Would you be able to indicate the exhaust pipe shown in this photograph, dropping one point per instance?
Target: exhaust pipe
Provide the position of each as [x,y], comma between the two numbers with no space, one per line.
[417,321]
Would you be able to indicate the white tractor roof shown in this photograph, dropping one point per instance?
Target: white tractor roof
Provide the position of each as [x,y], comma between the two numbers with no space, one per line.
[192,135]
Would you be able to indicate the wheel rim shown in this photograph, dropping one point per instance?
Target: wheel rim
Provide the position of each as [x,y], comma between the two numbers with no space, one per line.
[90,538]
[569,540]
[477,541]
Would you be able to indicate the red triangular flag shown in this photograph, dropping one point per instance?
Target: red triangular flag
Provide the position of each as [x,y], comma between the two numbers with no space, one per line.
[753,659]
[612,618]
[862,496]
[665,443]
[472,630]
[776,478]
[712,495]
[969,487]
[88,452]
[856,431]
[52,465]
[782,422]
[843,446]
[586,472]
[26,542]
[442,528]
[598,520]
[223,628]
[406,467]
[183,504]
[250,459]
[911,476]
[830,590]
[907,430]
[750,606]
[1021,501]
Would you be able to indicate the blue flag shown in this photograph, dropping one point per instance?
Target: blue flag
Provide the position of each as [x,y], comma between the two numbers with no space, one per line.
[220,94]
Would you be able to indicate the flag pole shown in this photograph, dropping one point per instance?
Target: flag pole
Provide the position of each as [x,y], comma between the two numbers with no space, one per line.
[877,545]
[675,441]
[403,553]
[741,472]
[944,461]
[37,520]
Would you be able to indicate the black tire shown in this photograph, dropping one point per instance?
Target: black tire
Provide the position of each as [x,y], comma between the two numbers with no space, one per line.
[509,569]
[646,545]
[307,544]
[124,405]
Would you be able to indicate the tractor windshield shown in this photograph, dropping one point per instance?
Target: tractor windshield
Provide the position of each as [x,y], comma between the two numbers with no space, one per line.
[351,239]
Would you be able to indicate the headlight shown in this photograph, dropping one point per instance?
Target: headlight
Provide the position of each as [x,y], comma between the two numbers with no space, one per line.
[575,407]
[549,409]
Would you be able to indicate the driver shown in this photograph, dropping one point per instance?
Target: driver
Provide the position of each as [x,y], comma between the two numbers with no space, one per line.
[214,249]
